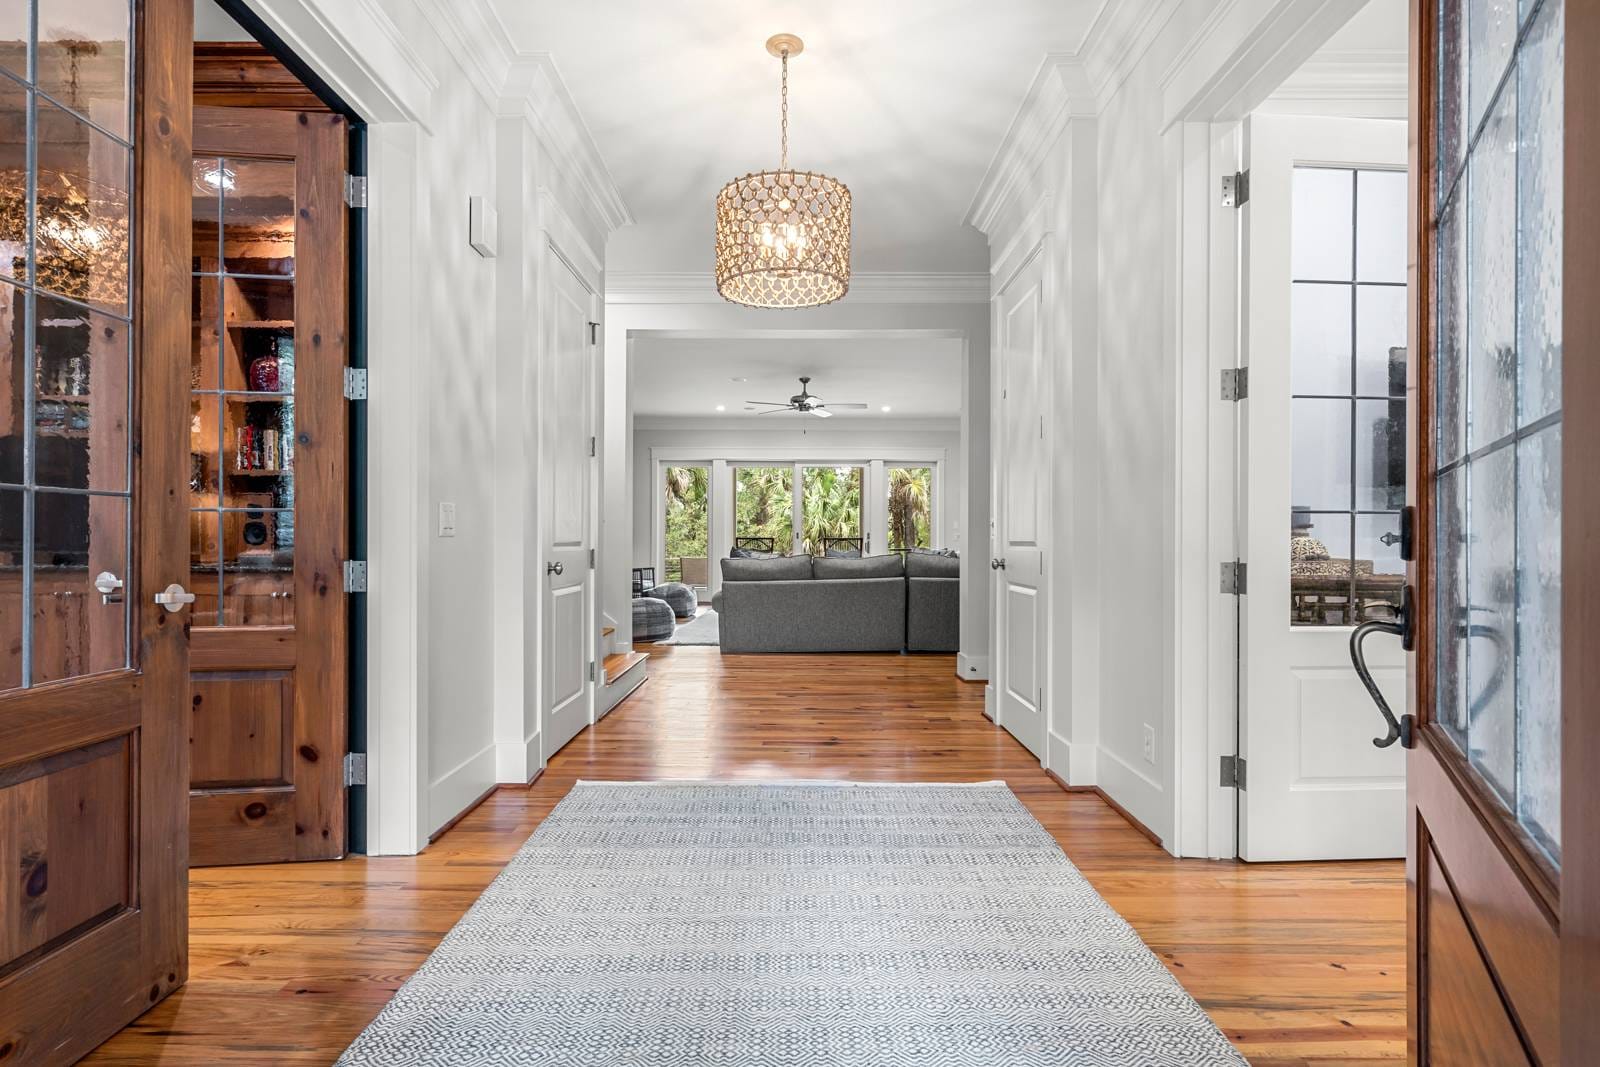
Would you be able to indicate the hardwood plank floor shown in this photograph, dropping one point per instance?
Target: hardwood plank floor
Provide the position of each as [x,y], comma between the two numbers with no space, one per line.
[1300,964]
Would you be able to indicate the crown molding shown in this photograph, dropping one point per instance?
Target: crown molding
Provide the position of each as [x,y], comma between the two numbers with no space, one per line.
[1119,36]
[1373,74]
[528,85]
[1060,91]
[884,287]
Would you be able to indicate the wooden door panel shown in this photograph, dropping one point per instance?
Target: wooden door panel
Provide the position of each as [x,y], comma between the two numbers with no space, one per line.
[232,826]
[66,824]
[243,723]
[1470,1026]
[1508,920]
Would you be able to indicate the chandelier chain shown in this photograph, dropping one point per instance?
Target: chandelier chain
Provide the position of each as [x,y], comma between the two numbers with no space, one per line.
[784,157]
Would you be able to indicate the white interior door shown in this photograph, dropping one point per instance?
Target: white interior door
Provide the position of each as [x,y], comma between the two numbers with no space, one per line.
[566,472]
[1322,484]
[1019,309]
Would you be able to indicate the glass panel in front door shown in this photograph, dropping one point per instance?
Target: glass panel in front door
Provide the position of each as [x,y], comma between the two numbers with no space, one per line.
[66,183]
[1347,375]
[1497,435]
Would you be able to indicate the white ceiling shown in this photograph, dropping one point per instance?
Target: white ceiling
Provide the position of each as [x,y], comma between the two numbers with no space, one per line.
[679,376]
[905,101]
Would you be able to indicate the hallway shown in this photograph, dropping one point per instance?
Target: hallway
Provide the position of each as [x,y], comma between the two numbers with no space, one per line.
[1298,964]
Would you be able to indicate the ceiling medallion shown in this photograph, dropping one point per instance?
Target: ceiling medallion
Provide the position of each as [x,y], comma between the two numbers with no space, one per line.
[783,236]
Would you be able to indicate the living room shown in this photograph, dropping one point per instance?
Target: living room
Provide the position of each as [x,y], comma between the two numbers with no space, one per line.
[748,480]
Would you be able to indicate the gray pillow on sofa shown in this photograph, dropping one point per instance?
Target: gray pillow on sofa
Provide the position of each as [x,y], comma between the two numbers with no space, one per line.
[869,567]
[779,569]
[932,565]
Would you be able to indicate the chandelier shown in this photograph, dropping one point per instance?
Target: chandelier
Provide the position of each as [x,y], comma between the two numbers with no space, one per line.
[783,236]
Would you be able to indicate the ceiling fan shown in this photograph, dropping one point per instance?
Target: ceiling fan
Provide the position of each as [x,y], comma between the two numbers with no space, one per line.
[805,402]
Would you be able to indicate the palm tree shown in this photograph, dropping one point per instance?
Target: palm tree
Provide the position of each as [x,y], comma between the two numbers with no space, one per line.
[910,505]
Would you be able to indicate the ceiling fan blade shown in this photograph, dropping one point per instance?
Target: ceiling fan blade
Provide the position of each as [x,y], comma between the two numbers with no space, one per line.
[769,403]
[821,412]
[863,407]
[774,411]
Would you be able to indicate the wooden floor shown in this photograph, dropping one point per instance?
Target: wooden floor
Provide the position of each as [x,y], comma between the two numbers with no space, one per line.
[1300,964]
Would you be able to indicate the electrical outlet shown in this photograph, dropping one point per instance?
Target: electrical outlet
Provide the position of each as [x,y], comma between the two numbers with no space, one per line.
[1149,744]
[447,519]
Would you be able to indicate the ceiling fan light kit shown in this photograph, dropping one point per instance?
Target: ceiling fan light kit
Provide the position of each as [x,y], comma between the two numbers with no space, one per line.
[783,236]
[805,402]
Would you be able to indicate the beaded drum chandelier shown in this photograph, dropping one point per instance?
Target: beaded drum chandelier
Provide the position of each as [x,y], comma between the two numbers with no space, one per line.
[783,236]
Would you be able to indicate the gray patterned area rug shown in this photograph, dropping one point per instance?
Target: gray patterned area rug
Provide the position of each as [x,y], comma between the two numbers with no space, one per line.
[787,924]
[703,629]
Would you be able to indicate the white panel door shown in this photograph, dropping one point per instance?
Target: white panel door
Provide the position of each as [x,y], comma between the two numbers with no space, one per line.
[1019,309]
[1322,485]
[566,471]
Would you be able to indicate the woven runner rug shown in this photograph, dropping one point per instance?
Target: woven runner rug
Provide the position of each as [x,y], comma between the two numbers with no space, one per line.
[767,925]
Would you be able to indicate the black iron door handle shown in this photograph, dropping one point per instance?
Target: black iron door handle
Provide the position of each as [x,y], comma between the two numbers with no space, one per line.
[1399,729]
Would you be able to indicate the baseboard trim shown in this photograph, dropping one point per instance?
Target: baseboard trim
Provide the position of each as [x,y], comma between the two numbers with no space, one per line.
[1155,838]
[972,668]
[463,813]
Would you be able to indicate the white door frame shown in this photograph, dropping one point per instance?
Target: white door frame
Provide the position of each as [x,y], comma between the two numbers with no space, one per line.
[1230,70]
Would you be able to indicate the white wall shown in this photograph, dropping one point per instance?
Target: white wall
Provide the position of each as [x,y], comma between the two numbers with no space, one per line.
[1116,155]
[453,682]
[861,438]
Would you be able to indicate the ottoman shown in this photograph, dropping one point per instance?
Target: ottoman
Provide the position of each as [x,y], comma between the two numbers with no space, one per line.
[680,596]
[652,619]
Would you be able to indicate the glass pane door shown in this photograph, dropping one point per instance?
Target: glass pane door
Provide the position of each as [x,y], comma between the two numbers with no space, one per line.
[830,511]
[1496,443]
[763,509]
[66,185]
[688,525]
[910,491]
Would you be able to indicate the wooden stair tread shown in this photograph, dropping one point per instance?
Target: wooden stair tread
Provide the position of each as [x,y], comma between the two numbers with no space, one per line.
[619,663]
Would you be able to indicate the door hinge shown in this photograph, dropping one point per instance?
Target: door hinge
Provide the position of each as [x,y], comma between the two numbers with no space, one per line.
[591,670]
[355,190]
[594,333]
[1233,577]
[355,768]
[355,383]
[592,446]
[1232,772]
[355,576]
[591,559]
[1236,188]
[1235,383]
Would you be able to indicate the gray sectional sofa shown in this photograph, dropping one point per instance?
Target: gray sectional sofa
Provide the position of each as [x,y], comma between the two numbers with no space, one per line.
[875,604]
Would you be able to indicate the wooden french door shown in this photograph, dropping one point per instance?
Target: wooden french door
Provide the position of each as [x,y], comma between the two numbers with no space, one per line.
[94,164]
[1504,800]
[267,485]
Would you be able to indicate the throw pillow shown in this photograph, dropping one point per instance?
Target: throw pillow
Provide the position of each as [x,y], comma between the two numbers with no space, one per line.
[932,565]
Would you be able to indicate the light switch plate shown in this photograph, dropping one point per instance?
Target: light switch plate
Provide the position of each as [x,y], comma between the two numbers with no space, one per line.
[1149,743]
[447,519]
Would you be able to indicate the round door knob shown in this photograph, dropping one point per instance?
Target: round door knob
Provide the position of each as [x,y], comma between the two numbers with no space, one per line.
[554,568]
[997,564]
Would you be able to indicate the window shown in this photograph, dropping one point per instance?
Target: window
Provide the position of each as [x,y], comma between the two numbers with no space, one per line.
[688,524]
[66,190]
[830,510]
[1497,442]
[763,508]
[910,505]
[1348,382]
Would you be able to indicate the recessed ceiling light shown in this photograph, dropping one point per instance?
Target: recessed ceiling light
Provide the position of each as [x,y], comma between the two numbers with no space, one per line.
[722,407]
[884,409]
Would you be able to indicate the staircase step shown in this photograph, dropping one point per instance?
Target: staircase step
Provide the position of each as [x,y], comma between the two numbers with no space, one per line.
[620,663]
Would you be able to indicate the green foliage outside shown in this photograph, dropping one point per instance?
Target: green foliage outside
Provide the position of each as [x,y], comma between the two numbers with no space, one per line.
[831,506]
[910,508]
